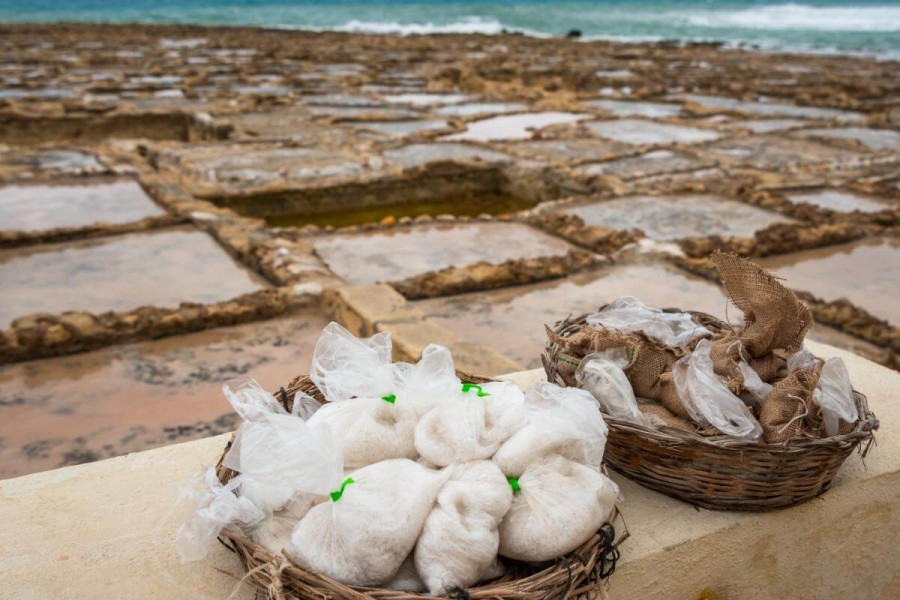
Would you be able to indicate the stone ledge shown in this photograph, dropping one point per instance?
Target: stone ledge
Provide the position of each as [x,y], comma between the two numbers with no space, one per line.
[105,529]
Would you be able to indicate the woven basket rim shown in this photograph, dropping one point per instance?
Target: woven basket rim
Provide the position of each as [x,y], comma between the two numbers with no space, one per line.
[671,436]
[573,575]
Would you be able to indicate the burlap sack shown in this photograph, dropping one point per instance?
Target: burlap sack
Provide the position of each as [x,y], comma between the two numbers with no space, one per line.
[789,412]
[650,371]
[664,416]
[774,317]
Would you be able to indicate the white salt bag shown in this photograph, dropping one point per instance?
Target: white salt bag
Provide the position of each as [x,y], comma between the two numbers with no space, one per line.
[558,506]
[834,395]
[460,539]
[374,405]
[274,534]
[562,422]
[214,508]
[708,401]
[370,525]
[472,425]
[407,578]
[629,314]
[278,454]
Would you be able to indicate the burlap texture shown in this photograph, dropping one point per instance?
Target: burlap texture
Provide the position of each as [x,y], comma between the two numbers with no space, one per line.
[788,412]
[650,372]
[667,417]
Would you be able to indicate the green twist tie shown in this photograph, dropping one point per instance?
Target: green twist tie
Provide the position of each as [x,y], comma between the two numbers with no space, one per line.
[335,496]
[514,483]
[390,399]
[471,386]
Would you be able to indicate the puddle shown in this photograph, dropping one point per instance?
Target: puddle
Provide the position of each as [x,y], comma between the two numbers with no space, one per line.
[768,125]
[262,90]
[71,409]
[652,163]
[414,155]
[569,150]
[651,110]
[162,268]
[511,320]
[514,127]
[875,139]
[399,128]
[479,108]
[767,152]
[772,109]
[866,272]
[242,166]
[841,201]
[426,99]
[615,74]
[43,207]
[639,132]
[678,217]
[341,100]
[50,162]
[400,253]
[496,203]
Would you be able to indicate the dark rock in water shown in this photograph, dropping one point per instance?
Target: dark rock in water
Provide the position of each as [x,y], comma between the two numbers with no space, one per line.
[574,33]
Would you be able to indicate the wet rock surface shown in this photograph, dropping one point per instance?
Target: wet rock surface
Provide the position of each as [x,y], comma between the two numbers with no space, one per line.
[500,182]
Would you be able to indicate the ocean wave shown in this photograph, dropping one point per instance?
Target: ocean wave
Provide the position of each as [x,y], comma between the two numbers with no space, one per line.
[466,25]
[798,16]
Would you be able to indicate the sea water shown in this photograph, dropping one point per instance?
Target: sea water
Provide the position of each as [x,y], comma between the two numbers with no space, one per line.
[844,26]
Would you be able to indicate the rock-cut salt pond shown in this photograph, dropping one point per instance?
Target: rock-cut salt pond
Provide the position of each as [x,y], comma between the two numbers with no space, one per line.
[678,217]
[514,127]
[44,207]
[398,253]
[162,268]
[842,201]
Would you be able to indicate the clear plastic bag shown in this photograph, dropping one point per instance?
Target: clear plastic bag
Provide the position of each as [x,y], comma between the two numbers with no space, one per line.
[472,425]
[345,367]
[460,538]
[834,395]
[278,454]
[708,401]
[560,421]
[608,384]
[558,506]
[374,405]
[629,314]
[363,535]
[274,533]
[214,507]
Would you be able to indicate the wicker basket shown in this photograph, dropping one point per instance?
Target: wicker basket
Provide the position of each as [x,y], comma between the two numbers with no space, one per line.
[579,574]
[721,473]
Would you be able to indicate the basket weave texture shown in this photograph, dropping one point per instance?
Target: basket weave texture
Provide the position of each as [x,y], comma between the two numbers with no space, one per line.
[721,473]
[579,574]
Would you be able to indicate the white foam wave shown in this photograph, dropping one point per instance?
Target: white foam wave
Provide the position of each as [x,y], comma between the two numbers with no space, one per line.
[798,16]
[466,25]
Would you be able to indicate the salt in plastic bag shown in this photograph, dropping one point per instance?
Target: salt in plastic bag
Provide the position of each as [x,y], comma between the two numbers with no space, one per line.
[460,538]
[708,400]
[561,421]
[274,533]
[363,535]
[629,314]
[471,425]
[558,504]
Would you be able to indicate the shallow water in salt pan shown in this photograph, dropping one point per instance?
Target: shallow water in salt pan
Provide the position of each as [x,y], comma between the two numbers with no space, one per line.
[866,272]
[395,254]
[43,207]
[639,132]
[842,201]
[514,127]
[162,268]
[677,217]
[511,320]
